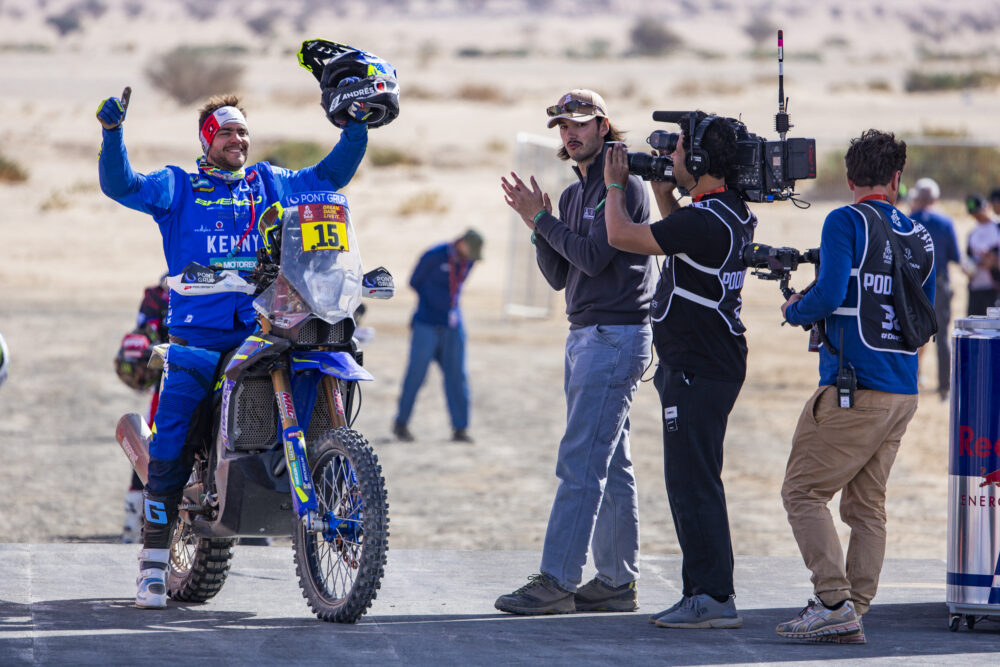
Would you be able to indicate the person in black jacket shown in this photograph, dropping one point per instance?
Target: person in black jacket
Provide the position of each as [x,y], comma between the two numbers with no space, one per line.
[700,342]
[608,347]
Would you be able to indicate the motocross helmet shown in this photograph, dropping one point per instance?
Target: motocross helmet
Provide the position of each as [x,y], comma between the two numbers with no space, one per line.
[132,359]
[4,360]
[347,75]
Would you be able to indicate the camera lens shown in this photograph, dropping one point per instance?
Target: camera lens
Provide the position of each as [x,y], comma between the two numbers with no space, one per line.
[651,167]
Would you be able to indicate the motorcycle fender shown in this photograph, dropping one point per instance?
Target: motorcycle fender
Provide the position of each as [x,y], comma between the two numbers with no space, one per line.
[253,350]
[338,364]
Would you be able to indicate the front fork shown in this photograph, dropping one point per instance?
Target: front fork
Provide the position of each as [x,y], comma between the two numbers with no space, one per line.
[303,493]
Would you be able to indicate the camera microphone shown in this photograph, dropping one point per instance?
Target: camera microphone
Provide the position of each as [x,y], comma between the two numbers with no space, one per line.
[671,116]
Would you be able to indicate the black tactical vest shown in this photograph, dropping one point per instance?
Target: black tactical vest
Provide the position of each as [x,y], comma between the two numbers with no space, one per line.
[730,274]
[874,308]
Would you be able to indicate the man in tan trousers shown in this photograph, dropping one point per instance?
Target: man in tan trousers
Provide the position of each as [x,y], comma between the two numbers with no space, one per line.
[850,429]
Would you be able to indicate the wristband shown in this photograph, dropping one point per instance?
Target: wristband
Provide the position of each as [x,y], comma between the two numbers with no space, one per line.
[534,220]
[534,236]
[615,185]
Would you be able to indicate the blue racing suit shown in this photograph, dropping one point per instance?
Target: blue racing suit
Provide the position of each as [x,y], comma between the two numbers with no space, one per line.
[210,220]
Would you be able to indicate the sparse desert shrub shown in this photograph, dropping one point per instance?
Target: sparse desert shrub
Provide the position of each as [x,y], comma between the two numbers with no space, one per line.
[201,10]
[292,154]
[920,82]
[11,172]
[651,37]
[594,49]
[189,74]
[65,22]
[760,29]
[95,8]
[262,25]
[479,92]
[387,156]
[423,202]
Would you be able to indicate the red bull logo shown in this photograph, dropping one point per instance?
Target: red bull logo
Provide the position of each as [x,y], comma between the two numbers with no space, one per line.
[990,478]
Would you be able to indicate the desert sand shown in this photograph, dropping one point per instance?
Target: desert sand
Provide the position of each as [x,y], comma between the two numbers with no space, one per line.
[74,263]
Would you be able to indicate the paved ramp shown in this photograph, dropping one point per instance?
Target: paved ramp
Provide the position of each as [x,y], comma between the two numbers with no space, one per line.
[72,604]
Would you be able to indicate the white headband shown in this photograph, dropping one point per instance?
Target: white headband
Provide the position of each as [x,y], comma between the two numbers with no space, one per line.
[213,123]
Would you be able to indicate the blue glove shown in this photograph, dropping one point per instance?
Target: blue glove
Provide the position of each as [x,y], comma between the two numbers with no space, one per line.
[111,112]
[358,111]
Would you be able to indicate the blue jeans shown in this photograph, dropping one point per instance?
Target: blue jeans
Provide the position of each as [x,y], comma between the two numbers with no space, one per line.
[597,503]
[446,346]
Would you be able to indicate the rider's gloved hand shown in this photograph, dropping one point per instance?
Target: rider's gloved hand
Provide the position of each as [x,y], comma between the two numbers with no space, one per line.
[358,111]
[111,112]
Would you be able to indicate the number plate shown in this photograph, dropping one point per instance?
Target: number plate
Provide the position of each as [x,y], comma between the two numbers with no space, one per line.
[324,236]
[323,227]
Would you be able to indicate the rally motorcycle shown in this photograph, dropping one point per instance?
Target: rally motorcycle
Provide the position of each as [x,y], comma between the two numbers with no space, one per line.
[278,456]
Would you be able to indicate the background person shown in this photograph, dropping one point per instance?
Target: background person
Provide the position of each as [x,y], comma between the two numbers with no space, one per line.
[924,195]
[131,367]
[851,449]
[207,217]
[608,346]
[982,252]
[438,333]
[700,342]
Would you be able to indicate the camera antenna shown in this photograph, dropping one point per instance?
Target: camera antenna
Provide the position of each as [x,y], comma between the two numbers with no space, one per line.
[781,120]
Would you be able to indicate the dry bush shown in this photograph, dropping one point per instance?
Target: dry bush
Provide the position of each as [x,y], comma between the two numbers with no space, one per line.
[423,202]
[188,74]
[760,29]
[387,156]
[921,82]
[651,37]
[262,25]
[11,172]
[65,22]
[414,91]
[479,92]
[291,154]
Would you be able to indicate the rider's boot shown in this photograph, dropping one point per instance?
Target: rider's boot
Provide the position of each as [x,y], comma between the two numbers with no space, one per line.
[151,585]
[160,515]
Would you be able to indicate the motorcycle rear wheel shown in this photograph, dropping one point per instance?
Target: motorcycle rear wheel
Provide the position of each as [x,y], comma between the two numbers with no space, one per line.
[198,565]
[340,570]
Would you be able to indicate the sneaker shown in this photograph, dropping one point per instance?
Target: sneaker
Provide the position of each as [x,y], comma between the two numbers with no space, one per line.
[151,585]
[462,435]
[132,527]
[401,432]
[702,611]
[816,621]
[677,605]
[540,595]
[850,638]
[595,595]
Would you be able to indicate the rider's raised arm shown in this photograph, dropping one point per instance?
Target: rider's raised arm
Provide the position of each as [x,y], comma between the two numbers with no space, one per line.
[335,170]
[149,193]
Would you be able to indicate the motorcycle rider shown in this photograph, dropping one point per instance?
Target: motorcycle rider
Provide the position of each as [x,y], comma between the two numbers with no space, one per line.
[208,217]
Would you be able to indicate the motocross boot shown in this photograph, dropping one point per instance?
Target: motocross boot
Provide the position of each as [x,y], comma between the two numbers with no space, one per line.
[151,585]
[160,515]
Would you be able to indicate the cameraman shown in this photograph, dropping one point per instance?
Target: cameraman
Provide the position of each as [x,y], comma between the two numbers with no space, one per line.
[699,339]
[851,449]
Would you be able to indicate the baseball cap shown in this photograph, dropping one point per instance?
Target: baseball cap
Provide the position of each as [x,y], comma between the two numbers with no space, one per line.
[926,187]
[579,106]
[474,242]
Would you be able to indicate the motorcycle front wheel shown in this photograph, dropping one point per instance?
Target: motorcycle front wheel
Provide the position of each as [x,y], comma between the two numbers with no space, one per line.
[198,565]
[340,564]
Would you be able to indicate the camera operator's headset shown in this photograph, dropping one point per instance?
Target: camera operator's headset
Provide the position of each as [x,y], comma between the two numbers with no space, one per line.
[696,159]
